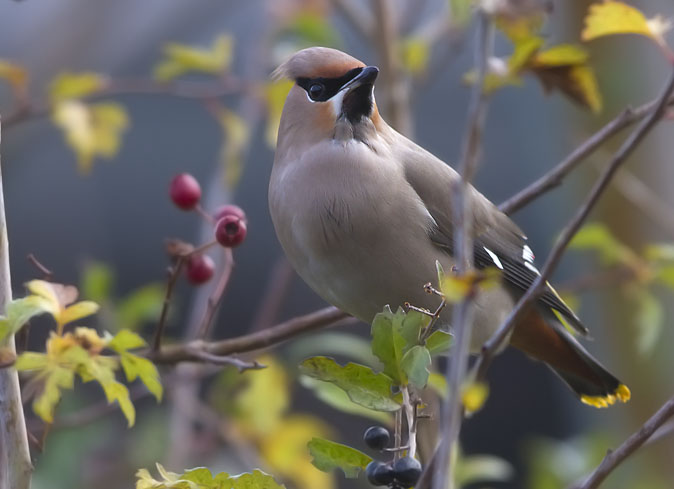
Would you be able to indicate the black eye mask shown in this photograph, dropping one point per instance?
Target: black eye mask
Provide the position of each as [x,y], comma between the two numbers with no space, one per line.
[322,89]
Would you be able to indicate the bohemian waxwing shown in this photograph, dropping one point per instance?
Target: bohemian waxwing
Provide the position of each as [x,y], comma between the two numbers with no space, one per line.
[363,213]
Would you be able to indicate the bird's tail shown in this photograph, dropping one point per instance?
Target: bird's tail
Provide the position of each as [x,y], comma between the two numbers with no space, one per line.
[541,336]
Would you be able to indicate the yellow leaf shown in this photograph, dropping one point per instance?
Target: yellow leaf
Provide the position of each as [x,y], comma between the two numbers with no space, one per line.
[74,85]
[181,59]
[275,94]
[91,130]
[561,55]
[89,339]
[237,137]
[16,76]
[77,311]
[612,17]
[474,395]
[578,82]
[285,451]
[262,403]
[49,292]
[519,28]
[416,53]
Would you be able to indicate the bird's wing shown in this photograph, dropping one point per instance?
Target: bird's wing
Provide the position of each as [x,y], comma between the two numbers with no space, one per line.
[497,240]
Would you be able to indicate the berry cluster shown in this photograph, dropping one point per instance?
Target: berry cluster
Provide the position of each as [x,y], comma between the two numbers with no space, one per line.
[229,221]
[397,474]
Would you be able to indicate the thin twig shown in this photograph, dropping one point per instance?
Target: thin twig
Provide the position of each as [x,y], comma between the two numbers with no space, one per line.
[452,412]
[276,289]
[556,175]
[492,345]
[386,39]
[174,273]
[322,318]
[27,110]
[241,365]
[359,17]
[217,295]
[46,273]
[615,457]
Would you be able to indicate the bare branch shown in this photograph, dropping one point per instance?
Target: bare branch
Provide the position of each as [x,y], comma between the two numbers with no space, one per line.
[218,294]
[241,365]
[462,318]
[322,318]
[625,150]
[615,457]
[555,176]
[141,86]
[15,463]
[357,15]
[174,273]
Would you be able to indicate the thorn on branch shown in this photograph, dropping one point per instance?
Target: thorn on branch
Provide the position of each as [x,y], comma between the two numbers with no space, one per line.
[46,272]
[225,360]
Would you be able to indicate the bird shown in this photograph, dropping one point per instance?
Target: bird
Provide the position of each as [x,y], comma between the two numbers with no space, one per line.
[363,215]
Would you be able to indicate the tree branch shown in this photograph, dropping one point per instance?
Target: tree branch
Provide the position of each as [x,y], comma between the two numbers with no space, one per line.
[614,458]
[15,463]
[139,86]
[189,352]
[556,175]
[625,150]
[462,318]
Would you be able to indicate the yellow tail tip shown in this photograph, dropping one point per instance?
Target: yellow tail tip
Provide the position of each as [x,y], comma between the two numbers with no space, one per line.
[622,394]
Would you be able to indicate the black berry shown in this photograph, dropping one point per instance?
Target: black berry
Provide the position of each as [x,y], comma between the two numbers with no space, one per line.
[407,471]
[379,473]
[377,437]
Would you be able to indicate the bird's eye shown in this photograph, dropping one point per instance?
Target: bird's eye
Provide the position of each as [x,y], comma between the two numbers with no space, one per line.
[316,90]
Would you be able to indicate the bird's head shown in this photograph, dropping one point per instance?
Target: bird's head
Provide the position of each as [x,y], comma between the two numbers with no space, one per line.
[333,95]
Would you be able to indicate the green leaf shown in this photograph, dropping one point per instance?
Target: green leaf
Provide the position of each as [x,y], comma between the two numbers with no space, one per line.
[328,455]
[31,361]
[18,312]
[126,340]
[275,94]
[135,366]
[55,378]
[254,480]
[665,275]
[439,342]
[74,85]
[97,282]
[438,383]
[200,475]
[313,30]
[115,391]
[337,398]
[415,364]
[388,343]
[650,319]
[181,59]
[363,386]
[141,305]
[597,237]
[412,324]
[482,468]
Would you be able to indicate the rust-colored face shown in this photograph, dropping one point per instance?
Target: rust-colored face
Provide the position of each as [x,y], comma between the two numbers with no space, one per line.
[330,86]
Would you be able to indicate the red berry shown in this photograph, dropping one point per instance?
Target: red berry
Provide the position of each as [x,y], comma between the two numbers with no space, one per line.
[185,191]
[200,269]
[229,210]
[230,231]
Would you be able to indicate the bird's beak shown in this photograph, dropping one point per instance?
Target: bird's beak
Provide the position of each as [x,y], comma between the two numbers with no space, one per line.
[366,77]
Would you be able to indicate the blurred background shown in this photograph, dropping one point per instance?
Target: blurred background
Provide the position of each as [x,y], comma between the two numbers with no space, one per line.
[102,222]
